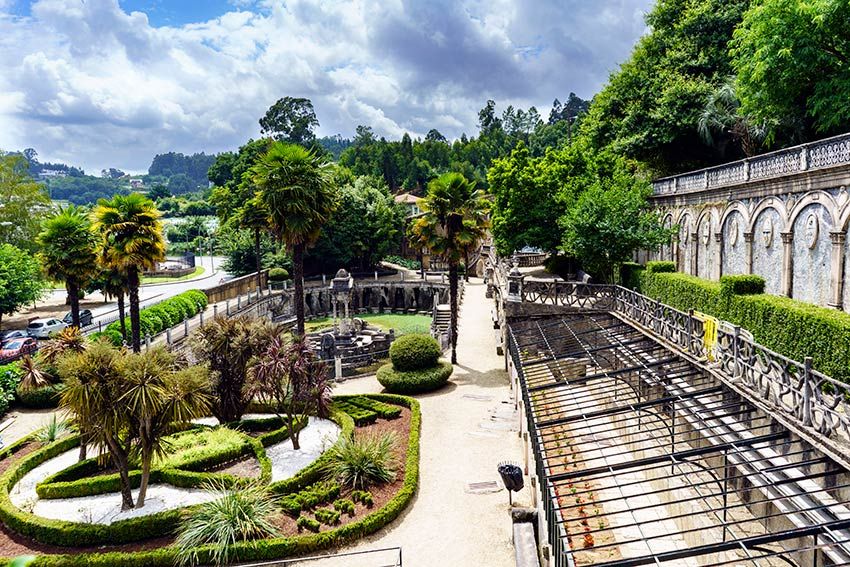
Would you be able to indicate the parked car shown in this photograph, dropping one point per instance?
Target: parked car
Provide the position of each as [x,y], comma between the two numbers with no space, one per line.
[12,334]
[15,348]
[43,328]
[85,318]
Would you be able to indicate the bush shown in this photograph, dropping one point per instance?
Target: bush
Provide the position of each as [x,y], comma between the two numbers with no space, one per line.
[660,266]
[414,352]
[10,377]
[149,323]
[185,307]
[741,285]
[792,328]
[362,461]
[278,274]
[361,416]
[414,381]
[630,274]
[345,505]
[110,334]
[164,315]
[364,497]
[403,262]
[385,411]
[327,516]
[40,398]
[198,297]
[305,523]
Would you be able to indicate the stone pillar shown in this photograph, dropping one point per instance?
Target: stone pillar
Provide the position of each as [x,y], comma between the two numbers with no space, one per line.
[836,269]
[694,244]
[787,263]
[717,269]
[748,252]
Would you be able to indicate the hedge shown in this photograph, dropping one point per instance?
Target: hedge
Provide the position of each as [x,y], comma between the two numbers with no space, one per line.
[792,328]
[278,274]
[415,352]
[414,381]
[164,315]
[276,548]
[741,285]
[386,411]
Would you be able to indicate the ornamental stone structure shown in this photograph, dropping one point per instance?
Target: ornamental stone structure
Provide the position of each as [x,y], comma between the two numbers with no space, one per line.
[782,215]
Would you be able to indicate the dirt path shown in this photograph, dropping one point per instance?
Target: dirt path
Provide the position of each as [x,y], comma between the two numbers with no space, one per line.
[461,443]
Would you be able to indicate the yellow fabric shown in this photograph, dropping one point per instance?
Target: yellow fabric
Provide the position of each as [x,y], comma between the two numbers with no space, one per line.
[709,333]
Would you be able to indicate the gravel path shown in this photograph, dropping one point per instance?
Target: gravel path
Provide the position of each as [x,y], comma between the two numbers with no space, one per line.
[466,432]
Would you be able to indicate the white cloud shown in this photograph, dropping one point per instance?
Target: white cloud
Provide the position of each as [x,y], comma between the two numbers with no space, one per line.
[90,84]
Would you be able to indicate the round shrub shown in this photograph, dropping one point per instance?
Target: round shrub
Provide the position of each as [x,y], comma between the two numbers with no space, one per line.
[185,305]
[414,352]
[149,323]
[414,381]
[278,274]
[196,296]
[111,334]
[162,314]
[40,398]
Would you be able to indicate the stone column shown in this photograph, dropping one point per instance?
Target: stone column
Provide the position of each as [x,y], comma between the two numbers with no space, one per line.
[836,269]
[694,244]
[718,264]
[748,252]
[787,263]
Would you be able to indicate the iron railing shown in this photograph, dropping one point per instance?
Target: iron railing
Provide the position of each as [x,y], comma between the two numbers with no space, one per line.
[806,157]
[386,557]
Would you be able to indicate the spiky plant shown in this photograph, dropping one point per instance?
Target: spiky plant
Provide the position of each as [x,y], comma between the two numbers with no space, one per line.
[359,462]
[69,339]
[234,515]
[52,430]
[32,377]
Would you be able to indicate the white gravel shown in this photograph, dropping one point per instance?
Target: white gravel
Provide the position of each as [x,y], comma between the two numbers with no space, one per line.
[213,421]
[106,508]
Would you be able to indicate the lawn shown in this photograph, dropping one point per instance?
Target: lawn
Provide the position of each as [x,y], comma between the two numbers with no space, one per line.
[198,271]
[402,324]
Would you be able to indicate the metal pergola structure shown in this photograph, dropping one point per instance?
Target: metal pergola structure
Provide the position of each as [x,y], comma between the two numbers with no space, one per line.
[645,457]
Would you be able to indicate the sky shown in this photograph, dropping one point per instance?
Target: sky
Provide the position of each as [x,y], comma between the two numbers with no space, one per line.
[111,83]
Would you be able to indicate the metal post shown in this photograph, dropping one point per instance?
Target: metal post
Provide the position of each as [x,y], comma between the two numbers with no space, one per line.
[201,314]
[690,328]
[227,307]
[736,350]
[100,326]
[168,336]
[215,310]
[186,327]
[147,342]
[808,392]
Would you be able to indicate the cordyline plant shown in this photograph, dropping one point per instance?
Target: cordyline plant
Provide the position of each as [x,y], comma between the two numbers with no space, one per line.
[292,382]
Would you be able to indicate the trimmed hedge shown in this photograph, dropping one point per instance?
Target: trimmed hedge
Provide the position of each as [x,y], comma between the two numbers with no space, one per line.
[361,416]
[741,285]
[164,315]
[275,548]
[385,411]
[660,267]
[789,327]
[414,381]
[278,274]
[415,352]
[630,274]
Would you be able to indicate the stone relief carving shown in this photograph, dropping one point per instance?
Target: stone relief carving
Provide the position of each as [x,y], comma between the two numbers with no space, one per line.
[767,232]
[706,234]
[812,230]
[733,232]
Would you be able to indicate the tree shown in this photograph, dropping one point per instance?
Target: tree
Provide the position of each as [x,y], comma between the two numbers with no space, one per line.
[21,281]
[454,217]
[434,135]
[159,191]
[112,283]
[792,58]
[23,203]
[227,173]
[68,253]
[158,394]
[721,121]
[610,221]
[295,185]
[112,173]
[132,241]
[239,251]
[290,120]
[292,382]
[227,346]
[254,216]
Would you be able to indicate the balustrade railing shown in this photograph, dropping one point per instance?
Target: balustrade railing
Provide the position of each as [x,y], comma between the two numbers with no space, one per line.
[792,388]
[815,155]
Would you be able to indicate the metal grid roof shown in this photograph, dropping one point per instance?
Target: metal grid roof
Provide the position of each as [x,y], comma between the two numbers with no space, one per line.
[647,458]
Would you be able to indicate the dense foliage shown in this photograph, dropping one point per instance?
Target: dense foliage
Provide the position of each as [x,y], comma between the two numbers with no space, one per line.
[180,173]
[24,203]
[414,381]
[415,352]
[21,282]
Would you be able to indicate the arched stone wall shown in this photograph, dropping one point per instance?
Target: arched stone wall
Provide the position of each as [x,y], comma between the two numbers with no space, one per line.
[811,254]
[683,262]
[734,255]
[767,249]
[706,255]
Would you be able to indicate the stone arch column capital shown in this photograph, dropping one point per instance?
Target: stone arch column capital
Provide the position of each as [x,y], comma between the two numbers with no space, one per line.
[748,237]
[787,237]
[838,237]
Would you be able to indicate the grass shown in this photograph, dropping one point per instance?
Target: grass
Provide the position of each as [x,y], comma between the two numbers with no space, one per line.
[185,447]
[403,324]
[198,271]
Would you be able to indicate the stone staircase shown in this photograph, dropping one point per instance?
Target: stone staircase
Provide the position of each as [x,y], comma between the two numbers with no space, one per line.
[442,318]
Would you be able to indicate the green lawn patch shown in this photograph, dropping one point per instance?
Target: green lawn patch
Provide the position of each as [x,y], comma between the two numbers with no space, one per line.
[403,324]
[150,280]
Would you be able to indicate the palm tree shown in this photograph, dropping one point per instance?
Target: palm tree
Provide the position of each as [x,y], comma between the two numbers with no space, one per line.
[721,120]
[254,215]
[455,217]
[114,284]
[68,252]
[296,186]
[132,242]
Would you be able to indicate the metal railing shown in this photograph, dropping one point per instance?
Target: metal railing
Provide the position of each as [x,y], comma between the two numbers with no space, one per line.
[806,157]
[385,557]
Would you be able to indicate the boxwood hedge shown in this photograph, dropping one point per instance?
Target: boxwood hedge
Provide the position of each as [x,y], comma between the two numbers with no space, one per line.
[273,548]
[166,314]
[793,328]
[414,381]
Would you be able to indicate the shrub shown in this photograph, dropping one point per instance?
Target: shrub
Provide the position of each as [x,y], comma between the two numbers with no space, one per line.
[741,285]
[361,416]
[53,430]
[660,266]
[327,516]
[362,461]
[149,323]
[305,523]
[161,312]
[403,262]
[234,515]
[344,505]
[10,377]
[111,333]
[414,381]
[562,266]
[196,296]
[40,398]
[630,274]
[414,352]
[364,497]
[278,274]
[186,307]
[386,411]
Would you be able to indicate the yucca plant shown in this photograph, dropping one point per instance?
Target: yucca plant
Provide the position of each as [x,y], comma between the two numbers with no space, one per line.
[359,462]
[52,430]
[234,515]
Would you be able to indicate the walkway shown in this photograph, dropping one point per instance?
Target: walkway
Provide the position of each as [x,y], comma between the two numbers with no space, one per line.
[464,437]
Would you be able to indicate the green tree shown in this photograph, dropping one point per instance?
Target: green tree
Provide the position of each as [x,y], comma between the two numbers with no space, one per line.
[69,253]
[111,283]
[227,173]
[722,122]
[290,120]
[132,241]
[296,186]
[610,221]
[21,281]
[238,248]
[454,217]
[23,203]
[792,58]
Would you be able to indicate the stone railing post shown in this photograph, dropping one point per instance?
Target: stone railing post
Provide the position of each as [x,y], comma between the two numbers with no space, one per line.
[168,336]
[804,157]
[746,170]
[201,314]
[227,307]
[705,179]
[787,263]
[186,327]
[836,269]
[147,342]
[215,310]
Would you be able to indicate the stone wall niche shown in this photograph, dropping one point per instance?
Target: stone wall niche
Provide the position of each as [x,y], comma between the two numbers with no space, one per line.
[734,252]
[705,249]
[811,255]
[767,249]
[683,262]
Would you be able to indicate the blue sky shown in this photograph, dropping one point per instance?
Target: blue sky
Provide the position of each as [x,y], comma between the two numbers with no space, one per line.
[110,83]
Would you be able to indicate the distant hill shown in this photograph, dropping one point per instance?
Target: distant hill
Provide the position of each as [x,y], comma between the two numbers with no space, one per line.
[180,173]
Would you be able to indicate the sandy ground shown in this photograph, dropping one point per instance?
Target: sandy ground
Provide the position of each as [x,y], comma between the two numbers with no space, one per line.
[465,434]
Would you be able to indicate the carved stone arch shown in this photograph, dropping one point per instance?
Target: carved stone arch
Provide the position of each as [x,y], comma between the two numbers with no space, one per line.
[730,209]
[734,251]
[705,262]
[815,198]
[774,203]
[684,248]
[767,223]
[682,213]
